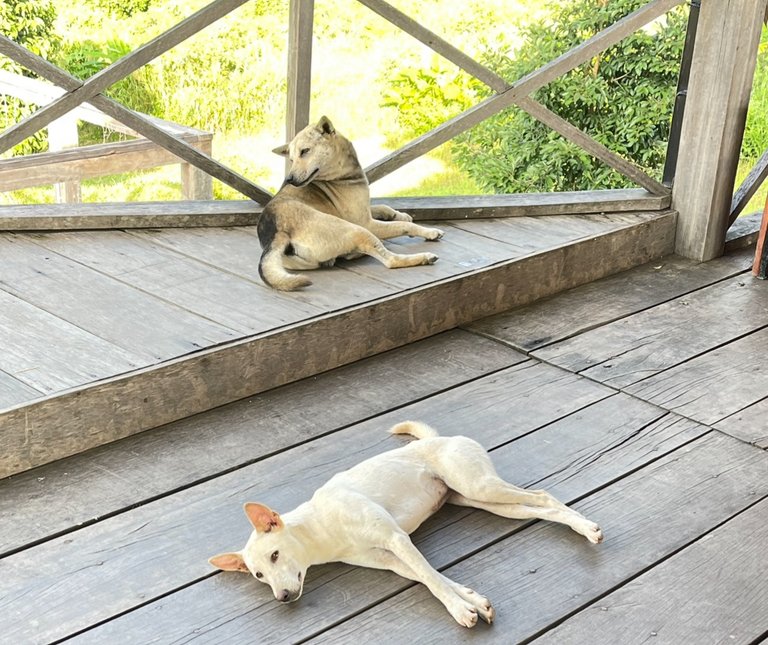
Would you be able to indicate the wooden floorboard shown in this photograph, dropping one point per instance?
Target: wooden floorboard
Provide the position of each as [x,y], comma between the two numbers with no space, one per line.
[562,316]
[176,534]
[13,391]
[642,345]
[718,585]
[39,503]
[748,424]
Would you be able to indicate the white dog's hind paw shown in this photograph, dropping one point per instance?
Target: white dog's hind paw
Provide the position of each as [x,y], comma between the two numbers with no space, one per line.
[429,258]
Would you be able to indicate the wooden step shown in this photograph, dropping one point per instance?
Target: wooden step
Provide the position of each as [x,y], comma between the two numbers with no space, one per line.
[486,267]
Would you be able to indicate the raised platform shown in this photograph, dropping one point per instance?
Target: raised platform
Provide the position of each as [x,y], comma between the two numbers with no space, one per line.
[110,333]
[623,397]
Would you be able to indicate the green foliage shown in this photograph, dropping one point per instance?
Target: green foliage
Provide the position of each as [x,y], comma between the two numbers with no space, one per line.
[84,58]
[425,98]
[29,23]
[121,8]
[623,98]
[756,133]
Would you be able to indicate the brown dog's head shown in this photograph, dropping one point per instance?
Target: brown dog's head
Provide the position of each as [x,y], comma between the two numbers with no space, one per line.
[272,555]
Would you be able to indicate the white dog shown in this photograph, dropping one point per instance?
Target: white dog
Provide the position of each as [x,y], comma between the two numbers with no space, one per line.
[363,516]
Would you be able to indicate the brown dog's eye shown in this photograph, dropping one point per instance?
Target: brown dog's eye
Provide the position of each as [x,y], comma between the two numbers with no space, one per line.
[259,575]
[275,556]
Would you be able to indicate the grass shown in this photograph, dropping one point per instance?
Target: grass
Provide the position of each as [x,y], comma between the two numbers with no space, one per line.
[757,203]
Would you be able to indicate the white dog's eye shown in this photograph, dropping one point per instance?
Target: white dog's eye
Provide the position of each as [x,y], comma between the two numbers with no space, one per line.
[275,556]
[259,575]
[303,152]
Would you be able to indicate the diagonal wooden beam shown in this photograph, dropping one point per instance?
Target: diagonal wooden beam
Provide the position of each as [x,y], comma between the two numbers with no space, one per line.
[593,147]
[141,124]
[114,73]
[520,89]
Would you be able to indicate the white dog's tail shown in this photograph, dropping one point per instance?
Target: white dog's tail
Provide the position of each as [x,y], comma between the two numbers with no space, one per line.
[415,428]
[271,267]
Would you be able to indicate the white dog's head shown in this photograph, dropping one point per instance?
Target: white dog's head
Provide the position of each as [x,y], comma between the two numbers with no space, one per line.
[317,152]
[272,555]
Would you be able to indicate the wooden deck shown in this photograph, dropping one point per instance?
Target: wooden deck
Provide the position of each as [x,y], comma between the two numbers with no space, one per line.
[640,399]
[112,332]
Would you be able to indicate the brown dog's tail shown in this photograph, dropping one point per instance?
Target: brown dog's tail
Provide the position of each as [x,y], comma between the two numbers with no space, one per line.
[414,428]
[271,267]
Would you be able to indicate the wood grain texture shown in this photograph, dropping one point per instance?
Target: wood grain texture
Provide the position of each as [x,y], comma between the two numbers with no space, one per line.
[299,76]
[718,94]
[137,322]
[38,504]
[337,591]
[717,587]
[748,424]
[48,354]
[178,533]
[540,575]
[587,307]
[185,213]
[151,397]
[713,386]
[237,303]
[13,391]
[743,233]
[644,344]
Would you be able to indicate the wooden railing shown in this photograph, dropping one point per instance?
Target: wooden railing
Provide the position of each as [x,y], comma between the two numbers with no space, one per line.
[721,23]
[67,163]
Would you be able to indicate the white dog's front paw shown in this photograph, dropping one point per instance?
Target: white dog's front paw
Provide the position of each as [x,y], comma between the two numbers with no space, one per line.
[591,531]
[463,612]
[433,234]
[402,217]
[482,604]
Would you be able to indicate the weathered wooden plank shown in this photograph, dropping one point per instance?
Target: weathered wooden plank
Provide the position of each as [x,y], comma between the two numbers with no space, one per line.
[586,307]
[217,376]
[591,146]
[539,576]
[110,75]
[748,424]
[238,251]
[646,343]
[299,76]
[723,65]
[749,187]
[151,330]
[49,354]
[240,304]
[716,589]
[743,233]
[450,535]
[715,385]
[36,505]
[521,88]
[75,164]
[13,391]
[176,533]
[245,212]
[184,214]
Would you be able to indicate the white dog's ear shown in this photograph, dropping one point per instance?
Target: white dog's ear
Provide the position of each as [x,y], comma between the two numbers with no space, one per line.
[229,562]
[325,126]
[281,150]
[263,518]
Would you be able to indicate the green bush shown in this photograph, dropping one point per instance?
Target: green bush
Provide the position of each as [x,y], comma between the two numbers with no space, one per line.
[138,91]
[29,23]
[756,133]
[623,98]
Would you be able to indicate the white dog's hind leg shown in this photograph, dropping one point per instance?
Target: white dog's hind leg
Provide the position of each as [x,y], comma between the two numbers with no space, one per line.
[565,515]
[367,243]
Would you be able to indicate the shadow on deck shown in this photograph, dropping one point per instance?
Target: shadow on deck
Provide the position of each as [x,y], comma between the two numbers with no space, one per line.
[627,398]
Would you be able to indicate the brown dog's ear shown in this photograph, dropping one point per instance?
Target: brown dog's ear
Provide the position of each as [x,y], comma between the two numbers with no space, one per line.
[229,562]
[325,126]
[263,518]
[281,150]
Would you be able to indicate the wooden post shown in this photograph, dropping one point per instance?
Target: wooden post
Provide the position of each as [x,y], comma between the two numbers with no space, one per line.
[299,65]
[760,266]
[62,133]
[723,65]
[196,183]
